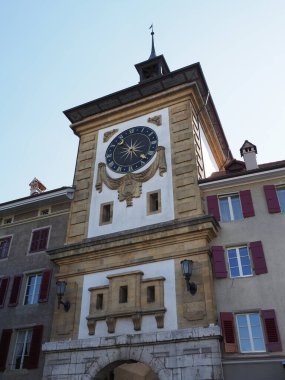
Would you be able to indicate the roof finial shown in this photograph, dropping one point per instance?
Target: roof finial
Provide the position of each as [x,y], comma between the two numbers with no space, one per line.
[152,54]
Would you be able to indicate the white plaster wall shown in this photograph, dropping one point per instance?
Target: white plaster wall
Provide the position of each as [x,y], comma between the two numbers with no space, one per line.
[208,158]
[124,217]
[125,325]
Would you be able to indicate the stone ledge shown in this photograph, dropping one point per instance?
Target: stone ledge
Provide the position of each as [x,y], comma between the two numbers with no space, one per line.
[157,338]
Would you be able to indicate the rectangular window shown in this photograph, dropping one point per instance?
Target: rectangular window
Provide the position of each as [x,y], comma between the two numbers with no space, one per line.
[99,302]
[4,246]
[153,202]
[239,262]
[8,220]
[44,211]
[250,334]
[281,197]
[39,239]
[230,208]
[123,294]
[106,213]
[22,349]
[150,294]
[33,287]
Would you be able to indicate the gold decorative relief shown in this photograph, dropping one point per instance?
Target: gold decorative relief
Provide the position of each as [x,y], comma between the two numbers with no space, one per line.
[130,185]
[109,134]
[157,120]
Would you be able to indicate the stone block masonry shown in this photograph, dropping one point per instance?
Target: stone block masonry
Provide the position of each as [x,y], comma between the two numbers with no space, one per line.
[172,355]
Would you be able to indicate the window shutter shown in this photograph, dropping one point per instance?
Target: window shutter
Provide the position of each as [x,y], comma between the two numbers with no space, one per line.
[246,203]
[45,285]
[4,347]
[219,262]
[35,348]
[35,240]
[271,328]
[258,257]
[271,199]
[213,206]
[43,238]
[227,322]
[15,292]
[4,282]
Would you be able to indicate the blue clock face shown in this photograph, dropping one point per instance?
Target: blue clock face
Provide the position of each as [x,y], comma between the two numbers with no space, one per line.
[131,150]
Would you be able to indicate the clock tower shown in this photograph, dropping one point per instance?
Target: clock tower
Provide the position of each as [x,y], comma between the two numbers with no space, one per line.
[137,215]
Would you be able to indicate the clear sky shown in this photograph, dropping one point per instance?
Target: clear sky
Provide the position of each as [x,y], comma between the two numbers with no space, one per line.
[59,54]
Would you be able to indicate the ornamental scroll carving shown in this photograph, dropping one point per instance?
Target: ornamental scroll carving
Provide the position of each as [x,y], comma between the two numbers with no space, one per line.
[130,185]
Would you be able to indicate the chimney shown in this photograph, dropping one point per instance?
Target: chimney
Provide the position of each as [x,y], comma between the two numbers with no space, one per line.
[36,187]
[248,151]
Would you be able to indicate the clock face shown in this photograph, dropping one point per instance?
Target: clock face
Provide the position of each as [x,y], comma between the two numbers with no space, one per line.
[131,150]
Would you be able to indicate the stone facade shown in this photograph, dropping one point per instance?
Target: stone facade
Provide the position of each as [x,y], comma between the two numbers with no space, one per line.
[183,354]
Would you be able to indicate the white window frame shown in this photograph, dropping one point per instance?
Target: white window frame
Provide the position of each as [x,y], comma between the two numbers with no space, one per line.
[26,296]
[229,199]
[282,187]
[237,248]
[250,332]
[27,340]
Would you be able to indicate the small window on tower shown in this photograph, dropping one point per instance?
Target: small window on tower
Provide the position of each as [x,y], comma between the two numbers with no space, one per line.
[150,294]
[123,294]
[99,302]
[153,202]
[106,213]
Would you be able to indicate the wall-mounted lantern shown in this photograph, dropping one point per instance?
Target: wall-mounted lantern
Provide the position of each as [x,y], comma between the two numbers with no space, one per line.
[187,267]
[60,290]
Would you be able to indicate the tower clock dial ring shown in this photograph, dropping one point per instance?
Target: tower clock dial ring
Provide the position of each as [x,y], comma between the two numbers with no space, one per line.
[131,150]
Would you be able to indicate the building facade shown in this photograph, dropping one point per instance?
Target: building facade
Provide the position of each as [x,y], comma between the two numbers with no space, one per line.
[28,227]
[137,214]
[248,200]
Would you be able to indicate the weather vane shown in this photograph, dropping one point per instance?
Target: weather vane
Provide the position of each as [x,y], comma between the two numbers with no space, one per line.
[152,54]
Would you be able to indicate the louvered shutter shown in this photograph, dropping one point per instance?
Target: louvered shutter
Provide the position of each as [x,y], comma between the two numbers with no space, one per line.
[213,206]
[271,329]
[45,285]
[35,348]
[271,199]
[4,348]
[246,203]
[43,239]
[15,292]
[35,241]
[219,262]
[4,282]
[258,257]
[228,328]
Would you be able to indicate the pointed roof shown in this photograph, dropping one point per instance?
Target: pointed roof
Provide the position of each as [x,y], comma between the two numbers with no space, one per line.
[152,53]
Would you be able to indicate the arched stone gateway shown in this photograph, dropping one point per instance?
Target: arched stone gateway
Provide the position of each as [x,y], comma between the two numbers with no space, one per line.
[130,370]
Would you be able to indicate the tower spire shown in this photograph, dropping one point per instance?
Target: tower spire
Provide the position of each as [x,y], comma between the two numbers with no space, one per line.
[152,54]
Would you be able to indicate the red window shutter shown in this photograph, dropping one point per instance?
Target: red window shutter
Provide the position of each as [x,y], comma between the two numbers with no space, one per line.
[4,347]
[271,199]
[219,262]
[15,292]
[228,329]
[43,238]
[35,348]
[271,329]
[35,240]
[246,203]
[45,285]
[258,257]
[213,206]
[4,282]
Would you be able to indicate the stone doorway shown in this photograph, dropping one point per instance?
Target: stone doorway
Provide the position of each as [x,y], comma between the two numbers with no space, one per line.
[126,370]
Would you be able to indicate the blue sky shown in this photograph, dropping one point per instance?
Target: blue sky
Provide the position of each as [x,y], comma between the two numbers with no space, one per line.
[58,54]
